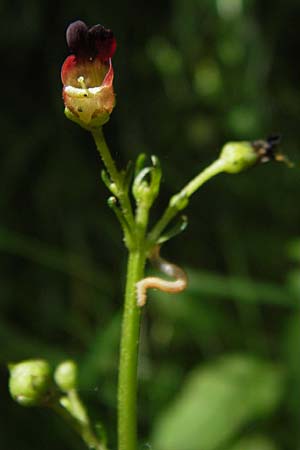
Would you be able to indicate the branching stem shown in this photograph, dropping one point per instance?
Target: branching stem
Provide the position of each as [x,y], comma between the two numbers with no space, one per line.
[180,200]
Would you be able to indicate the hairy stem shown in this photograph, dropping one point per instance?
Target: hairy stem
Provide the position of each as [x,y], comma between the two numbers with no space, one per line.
[127,389]
[115,175]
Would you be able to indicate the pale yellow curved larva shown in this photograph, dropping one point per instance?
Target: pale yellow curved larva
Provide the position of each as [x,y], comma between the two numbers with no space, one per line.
[169,269]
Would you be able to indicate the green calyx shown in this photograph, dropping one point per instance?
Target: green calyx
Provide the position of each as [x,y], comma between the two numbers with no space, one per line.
[30,382]
[238,156]
[93,124]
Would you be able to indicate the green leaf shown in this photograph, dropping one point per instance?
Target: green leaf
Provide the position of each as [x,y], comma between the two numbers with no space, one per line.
[66,262]
[216,401]
[293,249]
[254,443]
[239,288]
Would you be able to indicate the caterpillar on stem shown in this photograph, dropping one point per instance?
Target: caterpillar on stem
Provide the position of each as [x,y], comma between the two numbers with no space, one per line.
[167,268]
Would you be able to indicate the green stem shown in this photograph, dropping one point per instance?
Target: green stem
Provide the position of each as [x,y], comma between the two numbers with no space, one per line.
[180,200]
[214,169]
[127,390]
[115,175]
[82,427]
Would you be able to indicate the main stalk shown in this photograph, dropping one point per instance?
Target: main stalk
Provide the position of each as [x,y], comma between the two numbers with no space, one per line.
[127,389]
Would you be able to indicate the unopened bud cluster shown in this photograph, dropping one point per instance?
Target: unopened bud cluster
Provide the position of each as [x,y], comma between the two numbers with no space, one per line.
[32,383]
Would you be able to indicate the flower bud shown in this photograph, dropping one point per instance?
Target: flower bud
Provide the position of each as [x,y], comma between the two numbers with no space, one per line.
[87,75]
[29,381]
[65,375]
[146,184]
[239,156]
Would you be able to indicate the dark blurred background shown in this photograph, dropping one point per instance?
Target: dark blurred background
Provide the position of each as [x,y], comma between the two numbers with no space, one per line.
[219,364]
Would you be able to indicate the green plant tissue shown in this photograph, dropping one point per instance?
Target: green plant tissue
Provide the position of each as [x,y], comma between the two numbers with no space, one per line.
[216,401]
[254,443]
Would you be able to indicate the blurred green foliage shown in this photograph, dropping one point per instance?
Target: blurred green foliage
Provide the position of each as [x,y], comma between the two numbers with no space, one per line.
[228,394]
[190,75]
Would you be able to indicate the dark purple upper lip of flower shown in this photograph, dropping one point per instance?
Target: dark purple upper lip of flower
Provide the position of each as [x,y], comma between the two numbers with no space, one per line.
[88,43]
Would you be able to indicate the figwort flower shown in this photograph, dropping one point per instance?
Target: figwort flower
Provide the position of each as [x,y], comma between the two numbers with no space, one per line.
[87,74]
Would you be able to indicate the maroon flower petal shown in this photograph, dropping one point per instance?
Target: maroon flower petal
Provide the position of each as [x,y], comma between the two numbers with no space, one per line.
[103,40]
[88,43]
[77,37]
